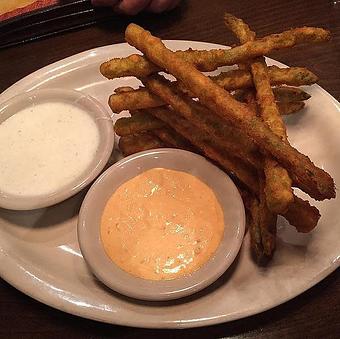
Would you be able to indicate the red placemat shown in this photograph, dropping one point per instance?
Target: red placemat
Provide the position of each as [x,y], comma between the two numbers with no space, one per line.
[18,10]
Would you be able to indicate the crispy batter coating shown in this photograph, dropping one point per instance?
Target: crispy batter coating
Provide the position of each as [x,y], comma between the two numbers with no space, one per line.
[253,220]
[277,187]
[133,100]
[300,213]
[313,180]
[231,139]
[141,98]
[266,100]
[172,139]
[139,66]
[242,78]
[282,94]
[267,222]
[141,121]
[123,89]
[127,98]
[289,94]
[203,142]
[287,108]
[133,65]
[137,123]
[130,144]
[263,232]
[286,99]
[293,76]
[262,237]
[241,30]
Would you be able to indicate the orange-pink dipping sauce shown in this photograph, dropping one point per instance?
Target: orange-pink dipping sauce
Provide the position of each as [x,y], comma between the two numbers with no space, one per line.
[162,224]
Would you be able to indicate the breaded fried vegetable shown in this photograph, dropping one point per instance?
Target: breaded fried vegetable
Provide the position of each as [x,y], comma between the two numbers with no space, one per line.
[255,231]
[293,76]
[266,100]
[133,65]
[289,94]
[252,210]
[133,100]
[274,182]
[287,108]
[158,138]
[231,139]
[137,65]
[267,221]
[137,123]
[300,214]
[313,180]
[203,142]
[142,98]
[277,187]
[239,28]
[124,89]
[143,141]
[128,145]
[127,98]
[283,94]
[172,139]
[242,78]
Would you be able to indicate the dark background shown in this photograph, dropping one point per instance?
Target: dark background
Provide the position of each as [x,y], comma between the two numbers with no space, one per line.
[315,313]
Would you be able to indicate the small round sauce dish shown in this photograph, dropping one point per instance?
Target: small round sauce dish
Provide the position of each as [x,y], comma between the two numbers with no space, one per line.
[53,143]
[162,167]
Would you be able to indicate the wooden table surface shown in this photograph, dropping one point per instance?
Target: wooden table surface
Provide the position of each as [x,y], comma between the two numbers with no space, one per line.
[315,313]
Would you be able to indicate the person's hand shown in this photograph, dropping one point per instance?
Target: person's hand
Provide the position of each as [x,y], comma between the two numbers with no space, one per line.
[132,7]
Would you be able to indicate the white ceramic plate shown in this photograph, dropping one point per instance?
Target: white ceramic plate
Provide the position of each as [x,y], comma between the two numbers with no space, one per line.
[39,252]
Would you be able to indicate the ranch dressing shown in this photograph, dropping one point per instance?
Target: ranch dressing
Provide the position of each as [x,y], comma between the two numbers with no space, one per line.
[45,147]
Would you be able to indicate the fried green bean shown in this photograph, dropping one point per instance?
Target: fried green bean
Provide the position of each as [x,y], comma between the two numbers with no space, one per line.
[313,180]
[137,65]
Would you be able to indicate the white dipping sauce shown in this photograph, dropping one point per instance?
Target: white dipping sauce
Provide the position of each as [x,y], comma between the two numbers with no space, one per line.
[45,147]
